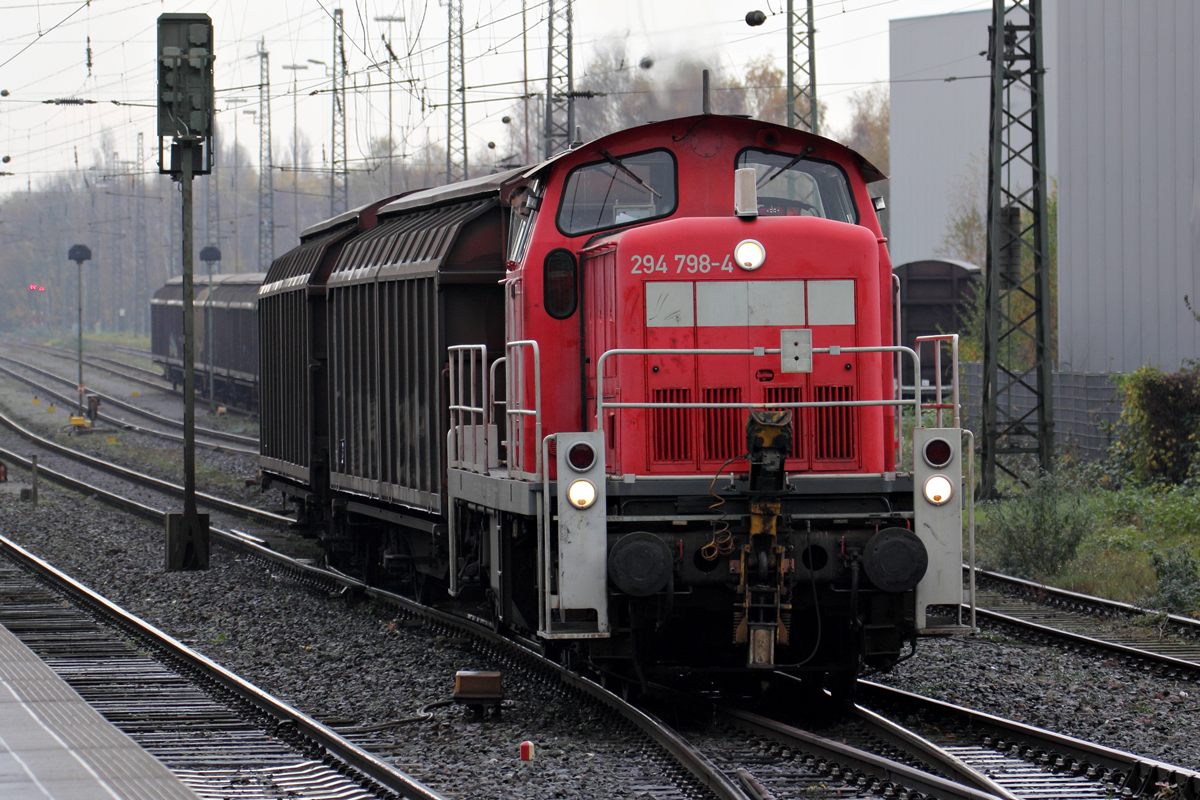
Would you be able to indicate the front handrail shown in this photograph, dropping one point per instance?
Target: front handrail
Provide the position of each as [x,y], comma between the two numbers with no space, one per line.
[515,410]
[601,405]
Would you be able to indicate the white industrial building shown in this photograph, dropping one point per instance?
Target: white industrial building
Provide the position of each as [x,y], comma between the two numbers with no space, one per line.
[1123,143]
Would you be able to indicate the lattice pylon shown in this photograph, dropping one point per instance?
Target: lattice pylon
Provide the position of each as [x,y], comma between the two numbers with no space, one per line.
[1018,419]
[141,280]
[266,167]
[802,68]
[560,79]
[456,98]
[339,176]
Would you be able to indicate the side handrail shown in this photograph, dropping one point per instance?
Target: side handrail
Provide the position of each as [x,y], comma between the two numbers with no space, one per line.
[938,392]
[492,401]
[601,405]
[898,366]
[468,410]
[515,372]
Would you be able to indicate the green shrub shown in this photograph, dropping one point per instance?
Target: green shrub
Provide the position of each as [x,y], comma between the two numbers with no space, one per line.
[1178,588]
[1160,417]
[1035,531]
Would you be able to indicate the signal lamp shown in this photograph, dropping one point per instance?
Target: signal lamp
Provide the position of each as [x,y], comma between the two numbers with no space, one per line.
[749,254]
[581,493]
[938,453]
[581,456]
[938,489]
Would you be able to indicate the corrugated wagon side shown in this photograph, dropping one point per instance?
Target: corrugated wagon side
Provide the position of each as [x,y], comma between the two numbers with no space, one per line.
[423,280]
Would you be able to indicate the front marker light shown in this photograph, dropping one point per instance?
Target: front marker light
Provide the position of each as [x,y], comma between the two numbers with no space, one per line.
[938,489]
[581,493]
[749,254]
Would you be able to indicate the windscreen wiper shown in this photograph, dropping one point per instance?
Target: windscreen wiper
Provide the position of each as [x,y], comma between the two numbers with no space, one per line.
[616,162]
[763,181]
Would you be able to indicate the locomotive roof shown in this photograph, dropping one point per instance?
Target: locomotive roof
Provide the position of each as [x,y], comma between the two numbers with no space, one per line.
[870,172]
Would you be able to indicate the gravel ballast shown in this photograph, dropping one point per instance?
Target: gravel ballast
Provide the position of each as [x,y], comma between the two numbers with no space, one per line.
[345,663]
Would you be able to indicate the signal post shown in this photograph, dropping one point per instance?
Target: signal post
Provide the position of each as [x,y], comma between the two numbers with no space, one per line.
[185,113]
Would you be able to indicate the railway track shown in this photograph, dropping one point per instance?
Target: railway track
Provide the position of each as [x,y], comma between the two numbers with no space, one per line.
[207,437]
[148,378]
[942,751]
[202,438]
[1172,642]
[221,735]
[129,475]
[1029,761]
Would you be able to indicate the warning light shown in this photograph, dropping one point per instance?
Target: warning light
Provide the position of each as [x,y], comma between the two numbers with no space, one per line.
[41,288]
[33,287]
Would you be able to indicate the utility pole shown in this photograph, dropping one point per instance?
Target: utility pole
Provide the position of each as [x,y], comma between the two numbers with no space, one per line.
[456,99]
[560,81]
[233,103]
[339,176]
[140,279]
[295,68]
[1017,355]
[525,79]
[387,43]
[266,168]
[802,66]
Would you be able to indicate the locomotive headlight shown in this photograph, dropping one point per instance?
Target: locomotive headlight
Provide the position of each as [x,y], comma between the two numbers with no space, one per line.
[938,489]
[581,493]
[749,254]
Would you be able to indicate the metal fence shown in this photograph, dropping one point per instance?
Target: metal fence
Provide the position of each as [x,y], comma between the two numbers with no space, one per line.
[1087,406]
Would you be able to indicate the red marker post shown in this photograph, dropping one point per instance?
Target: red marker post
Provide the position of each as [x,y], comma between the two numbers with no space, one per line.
[527,751]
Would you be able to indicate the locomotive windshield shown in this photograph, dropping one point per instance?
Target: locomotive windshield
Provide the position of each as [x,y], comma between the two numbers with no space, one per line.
[791,185]
[618,191]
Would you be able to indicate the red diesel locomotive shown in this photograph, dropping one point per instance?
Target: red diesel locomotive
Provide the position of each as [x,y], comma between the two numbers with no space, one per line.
[637,400]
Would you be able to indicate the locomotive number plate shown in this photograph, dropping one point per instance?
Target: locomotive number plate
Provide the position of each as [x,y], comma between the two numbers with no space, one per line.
[691,263]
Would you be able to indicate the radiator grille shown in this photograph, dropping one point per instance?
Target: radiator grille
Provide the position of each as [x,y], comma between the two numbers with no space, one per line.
[790,394]
[724,428]
[672,427]
[835,437]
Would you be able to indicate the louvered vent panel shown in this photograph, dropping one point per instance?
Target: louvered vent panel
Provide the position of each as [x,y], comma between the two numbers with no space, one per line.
[790,394]
[672,432]
[724,428]
[835,437]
